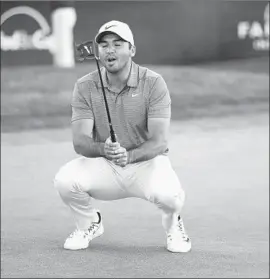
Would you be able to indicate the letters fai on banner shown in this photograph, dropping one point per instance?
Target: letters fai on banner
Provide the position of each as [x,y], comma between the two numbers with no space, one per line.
[257,32]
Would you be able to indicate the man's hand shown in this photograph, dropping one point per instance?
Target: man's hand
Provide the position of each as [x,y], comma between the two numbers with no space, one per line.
[121,159]
[110,149]
[114,152]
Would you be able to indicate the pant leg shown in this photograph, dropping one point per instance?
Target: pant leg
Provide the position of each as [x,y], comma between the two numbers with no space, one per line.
[83,179]
[156,181]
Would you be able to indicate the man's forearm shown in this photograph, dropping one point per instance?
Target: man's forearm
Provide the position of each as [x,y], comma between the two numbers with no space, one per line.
[87,147]
[147,151]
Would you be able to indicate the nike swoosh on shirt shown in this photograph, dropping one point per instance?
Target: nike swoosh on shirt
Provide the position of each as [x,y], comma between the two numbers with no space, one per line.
[134,95]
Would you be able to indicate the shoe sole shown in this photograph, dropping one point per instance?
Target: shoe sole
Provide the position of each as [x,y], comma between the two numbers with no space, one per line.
[178,251]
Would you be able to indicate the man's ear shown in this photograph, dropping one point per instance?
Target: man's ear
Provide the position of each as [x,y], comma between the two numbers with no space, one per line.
[133,51]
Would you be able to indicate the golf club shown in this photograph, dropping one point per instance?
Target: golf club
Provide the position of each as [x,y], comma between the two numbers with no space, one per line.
[87,50]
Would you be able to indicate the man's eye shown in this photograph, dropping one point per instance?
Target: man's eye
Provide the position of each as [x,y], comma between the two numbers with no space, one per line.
[118,44]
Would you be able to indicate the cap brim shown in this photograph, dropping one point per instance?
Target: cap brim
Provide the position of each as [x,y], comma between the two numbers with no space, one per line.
[101,34]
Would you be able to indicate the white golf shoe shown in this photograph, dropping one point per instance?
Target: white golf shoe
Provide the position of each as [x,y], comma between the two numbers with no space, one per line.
[178,241]
[80,239]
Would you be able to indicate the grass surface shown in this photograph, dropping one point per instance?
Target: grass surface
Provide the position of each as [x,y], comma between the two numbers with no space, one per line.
[224,168]
[219,151]
[39,97]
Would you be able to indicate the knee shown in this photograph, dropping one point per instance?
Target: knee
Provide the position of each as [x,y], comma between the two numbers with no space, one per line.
[173,202]
[63,183]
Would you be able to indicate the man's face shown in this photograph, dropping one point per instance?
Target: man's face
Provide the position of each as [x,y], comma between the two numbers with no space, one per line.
[114,52]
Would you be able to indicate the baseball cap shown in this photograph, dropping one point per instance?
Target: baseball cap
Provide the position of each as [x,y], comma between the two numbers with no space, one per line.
[117,27]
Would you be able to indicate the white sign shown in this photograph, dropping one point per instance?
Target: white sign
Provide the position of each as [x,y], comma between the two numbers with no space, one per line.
[58,41]
[257,32]
[20,40]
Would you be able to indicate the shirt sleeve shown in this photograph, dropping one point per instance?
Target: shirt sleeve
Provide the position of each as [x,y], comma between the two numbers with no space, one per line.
[160,100]
[81,109]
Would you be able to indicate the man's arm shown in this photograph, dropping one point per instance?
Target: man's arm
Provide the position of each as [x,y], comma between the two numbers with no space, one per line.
[158,122]
[156,144]
[82,127]
[82,140]
[82,123]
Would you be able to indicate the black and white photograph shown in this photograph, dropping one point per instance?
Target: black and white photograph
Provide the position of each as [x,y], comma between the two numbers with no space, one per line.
[135,139]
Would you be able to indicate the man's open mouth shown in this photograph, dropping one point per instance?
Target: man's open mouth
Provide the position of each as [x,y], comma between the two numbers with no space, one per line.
[111,59]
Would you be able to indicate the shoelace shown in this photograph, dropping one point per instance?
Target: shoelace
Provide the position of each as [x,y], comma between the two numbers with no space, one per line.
[84,233]
[93,227]
[180,232]
[181,229]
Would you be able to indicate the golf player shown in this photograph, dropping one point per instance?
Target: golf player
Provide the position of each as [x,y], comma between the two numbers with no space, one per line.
[137,164]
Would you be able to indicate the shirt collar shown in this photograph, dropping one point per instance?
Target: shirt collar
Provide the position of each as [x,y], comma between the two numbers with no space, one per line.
[133,79]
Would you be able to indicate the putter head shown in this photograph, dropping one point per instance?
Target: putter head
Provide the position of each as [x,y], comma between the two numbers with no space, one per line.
[86,50]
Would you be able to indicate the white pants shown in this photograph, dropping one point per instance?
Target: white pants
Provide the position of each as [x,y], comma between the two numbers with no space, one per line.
[85,178]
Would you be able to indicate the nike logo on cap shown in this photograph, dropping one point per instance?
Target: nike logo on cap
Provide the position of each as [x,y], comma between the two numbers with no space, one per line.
[109,26]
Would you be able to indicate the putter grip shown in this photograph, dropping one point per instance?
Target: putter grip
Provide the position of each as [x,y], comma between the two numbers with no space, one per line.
[113,137]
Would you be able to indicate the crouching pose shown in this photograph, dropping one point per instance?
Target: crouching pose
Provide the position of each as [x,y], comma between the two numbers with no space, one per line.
[137,164]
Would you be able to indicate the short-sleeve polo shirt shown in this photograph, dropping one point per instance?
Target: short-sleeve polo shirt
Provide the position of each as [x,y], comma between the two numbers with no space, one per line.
[145,96]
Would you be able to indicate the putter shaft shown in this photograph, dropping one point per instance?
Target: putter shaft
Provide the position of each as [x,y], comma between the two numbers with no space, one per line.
[113,137]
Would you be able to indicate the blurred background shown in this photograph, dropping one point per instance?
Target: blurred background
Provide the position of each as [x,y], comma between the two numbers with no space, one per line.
[214,55]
